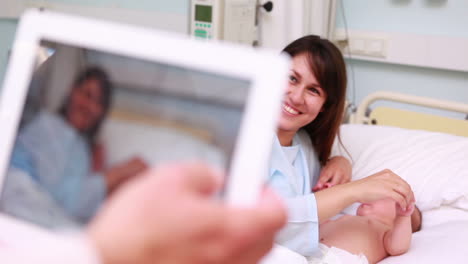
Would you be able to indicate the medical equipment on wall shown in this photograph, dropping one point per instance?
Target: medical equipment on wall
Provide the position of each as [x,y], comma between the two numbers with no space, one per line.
[230,20]
[291,19]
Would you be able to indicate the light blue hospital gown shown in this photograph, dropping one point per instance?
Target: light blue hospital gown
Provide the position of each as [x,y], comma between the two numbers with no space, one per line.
[50,180]
[293,172]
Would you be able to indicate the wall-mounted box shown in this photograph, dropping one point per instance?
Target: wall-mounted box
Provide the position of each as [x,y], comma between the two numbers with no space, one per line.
[440,52]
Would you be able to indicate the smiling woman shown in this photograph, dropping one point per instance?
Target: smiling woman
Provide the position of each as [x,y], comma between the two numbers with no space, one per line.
[300,162]
[318,87]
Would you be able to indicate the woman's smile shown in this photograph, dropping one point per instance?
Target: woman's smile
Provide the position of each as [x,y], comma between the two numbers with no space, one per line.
[290,110]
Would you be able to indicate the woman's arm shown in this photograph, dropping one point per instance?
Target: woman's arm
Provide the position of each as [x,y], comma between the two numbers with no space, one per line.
[98,157]
[384,184]
[121,172]
[331,201]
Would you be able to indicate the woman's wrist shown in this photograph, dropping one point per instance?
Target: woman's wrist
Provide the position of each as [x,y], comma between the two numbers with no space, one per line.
[333,200]
[351,192]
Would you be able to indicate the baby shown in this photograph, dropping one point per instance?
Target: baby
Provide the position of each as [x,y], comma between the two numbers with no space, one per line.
[380,229]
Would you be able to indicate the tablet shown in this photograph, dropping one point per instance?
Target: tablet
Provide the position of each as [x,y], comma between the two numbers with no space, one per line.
[87,105]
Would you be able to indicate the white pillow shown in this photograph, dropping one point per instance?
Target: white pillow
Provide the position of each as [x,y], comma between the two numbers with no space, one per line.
[124,140]
[434,164]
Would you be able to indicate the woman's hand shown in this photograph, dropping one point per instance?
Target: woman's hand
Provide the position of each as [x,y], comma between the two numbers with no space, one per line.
[402,212]
[337,171]
[119,173]
[384,184]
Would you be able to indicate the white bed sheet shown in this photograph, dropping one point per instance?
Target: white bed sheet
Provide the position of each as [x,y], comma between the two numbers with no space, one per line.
[443,243]
[435,165]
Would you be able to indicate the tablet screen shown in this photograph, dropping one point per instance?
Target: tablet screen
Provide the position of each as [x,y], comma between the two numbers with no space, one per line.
[93,120]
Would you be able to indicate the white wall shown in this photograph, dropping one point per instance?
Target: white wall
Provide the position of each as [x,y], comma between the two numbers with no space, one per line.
[428,17]
[436,18]
[7,32]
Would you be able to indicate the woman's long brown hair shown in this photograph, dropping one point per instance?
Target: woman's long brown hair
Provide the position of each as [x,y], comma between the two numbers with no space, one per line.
[328,66]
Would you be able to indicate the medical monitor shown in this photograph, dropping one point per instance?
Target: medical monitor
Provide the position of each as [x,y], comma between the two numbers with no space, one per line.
[87,105]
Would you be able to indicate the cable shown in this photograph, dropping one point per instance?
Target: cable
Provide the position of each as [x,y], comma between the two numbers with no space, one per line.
[352,106]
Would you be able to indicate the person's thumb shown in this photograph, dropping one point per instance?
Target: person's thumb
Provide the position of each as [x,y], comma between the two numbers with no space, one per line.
[200,178]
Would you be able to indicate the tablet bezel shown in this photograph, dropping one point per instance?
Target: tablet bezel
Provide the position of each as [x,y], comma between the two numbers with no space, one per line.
[266,70]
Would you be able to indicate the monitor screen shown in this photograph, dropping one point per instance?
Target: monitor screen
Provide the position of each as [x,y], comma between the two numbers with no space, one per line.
[203,13]
[93,120]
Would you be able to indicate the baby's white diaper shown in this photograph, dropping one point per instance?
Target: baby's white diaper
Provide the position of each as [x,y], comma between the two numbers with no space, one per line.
[333,255]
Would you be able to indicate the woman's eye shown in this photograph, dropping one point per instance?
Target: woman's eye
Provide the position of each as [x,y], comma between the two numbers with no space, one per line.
[314,90]
[292,79]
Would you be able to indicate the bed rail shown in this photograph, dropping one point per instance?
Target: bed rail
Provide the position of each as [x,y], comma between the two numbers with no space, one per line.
[360,116]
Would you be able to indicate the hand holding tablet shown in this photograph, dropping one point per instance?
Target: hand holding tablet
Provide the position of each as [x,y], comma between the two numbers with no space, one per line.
[75,85]
[167,215]
[153,95]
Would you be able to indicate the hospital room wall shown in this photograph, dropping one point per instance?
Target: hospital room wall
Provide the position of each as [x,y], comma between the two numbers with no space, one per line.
[426,17]
[440,18]
[155,10]
[7,33]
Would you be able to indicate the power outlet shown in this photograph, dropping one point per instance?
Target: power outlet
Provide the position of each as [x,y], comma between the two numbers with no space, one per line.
[362,43]
[368,46]
[376,47]
[357,46]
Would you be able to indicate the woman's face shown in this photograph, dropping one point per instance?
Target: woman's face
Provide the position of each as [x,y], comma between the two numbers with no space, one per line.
[304,97]
[85,107]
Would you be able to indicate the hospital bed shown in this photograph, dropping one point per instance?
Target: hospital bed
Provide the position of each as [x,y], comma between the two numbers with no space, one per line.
[430,152]
[157,139]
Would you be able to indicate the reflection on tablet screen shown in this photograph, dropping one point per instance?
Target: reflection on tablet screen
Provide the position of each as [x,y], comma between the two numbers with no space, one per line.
[93,120]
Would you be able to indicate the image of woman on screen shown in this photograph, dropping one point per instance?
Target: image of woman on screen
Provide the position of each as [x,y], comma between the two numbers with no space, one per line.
[60,155]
